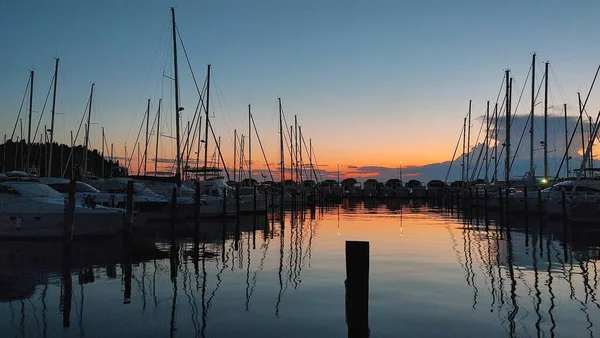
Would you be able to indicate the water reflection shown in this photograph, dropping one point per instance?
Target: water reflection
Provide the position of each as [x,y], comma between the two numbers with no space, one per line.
[283,274]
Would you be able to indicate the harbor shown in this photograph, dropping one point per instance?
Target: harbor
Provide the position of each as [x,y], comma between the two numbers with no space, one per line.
[427,263]
[315,169]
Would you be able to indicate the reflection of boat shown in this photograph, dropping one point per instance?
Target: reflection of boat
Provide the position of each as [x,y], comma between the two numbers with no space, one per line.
[26,264]
[212,229]
[34,210]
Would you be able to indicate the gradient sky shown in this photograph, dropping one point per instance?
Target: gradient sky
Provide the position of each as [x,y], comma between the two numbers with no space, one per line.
[373,83]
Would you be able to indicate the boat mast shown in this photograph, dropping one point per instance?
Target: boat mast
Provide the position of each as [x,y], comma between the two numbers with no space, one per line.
[177,108]
[71,159]
[531,126]
[496,142]
[147,136]
[87,132]
[49,169]
[546,121]
[199,143]
[241,170]
[218,147]
[463,152]
[581,125]
[30,113]
[292,163]
[508,118]
[281,152]
[295,145]
[102,154]
[468,144]
[591,143]
[249,146]
[487,141]
[157,137]
[310,157]
[22,157]
[234,153]
[301,162]
[112,159]
[207,110]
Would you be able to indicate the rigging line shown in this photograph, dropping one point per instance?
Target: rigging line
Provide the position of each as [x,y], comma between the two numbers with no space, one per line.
[135,146]
[20,108]
[500,122]
[527,122]
[189,65]
[317,164]
[310,154]
[70,158]
[477,167]
[218,149]
[577,124]
[453,155]
[195,124]
[40,119]
[145,155]
[558,86]
[475,146]
[262,149]
[513,119]
[139,101]
[223,106]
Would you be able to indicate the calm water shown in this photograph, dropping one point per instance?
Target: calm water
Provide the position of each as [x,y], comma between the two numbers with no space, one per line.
[432,273]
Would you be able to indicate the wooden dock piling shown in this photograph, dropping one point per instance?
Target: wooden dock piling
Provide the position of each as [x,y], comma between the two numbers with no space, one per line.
[357,288]
[67,285]
[526,201]
[197,194]
[173,208]
[70,221]
[129,206]
[485,204]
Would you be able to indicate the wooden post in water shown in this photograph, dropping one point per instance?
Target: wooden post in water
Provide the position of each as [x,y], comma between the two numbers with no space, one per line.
[477,206]
[224,206]
[129,206]
[501,201]
[526,202]
[67,286]
[470,207]
[254,199]
[485,203]
[458,198]
[173,208]
[357,288]
[237,201]
[197,206]
[507,191]
[70,223]
[564,203]
[540,209]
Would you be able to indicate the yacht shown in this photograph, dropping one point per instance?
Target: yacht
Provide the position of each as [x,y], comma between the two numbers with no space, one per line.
[34,210]
[144,199]
[583,204]
[85,194]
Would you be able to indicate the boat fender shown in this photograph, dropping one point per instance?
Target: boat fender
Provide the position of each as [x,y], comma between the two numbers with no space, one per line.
[19,222]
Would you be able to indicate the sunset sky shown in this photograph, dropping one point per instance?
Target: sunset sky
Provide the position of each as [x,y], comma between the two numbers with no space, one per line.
[374,84]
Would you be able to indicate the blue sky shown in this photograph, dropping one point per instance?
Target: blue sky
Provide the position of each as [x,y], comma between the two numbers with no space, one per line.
[373,83]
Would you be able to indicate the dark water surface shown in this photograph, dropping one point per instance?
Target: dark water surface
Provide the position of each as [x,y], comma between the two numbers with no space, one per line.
[432,274]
